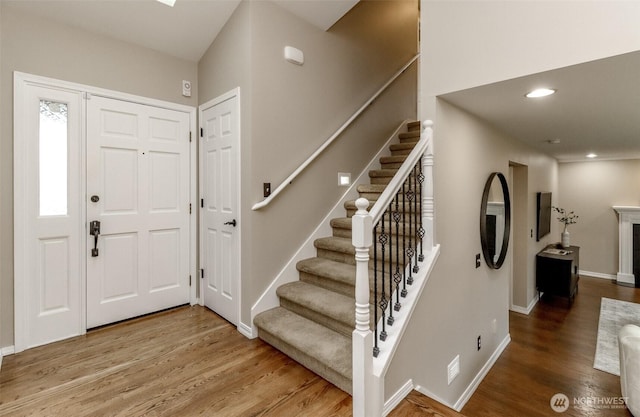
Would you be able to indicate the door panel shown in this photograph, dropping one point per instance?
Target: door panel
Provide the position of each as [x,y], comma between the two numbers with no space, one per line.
[48,215]
[219,174]
[138,166]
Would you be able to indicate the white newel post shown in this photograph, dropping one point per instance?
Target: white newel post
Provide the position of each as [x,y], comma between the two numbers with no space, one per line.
[362,335]
[428,205]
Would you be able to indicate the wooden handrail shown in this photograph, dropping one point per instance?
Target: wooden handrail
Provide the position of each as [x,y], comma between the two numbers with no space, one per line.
[333,137]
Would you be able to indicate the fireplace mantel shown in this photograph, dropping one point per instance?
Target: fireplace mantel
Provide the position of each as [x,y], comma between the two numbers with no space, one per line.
[627,217]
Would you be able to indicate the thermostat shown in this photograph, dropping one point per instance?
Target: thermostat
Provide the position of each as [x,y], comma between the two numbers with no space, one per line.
[293,55]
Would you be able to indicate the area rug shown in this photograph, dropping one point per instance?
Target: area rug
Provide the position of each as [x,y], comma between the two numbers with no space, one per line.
[613,315]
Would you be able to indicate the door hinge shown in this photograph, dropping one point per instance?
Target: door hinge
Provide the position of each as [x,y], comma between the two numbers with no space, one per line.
[189,136]
[189,208]
[202,202]
[201,132]
[189,280]
[202,273]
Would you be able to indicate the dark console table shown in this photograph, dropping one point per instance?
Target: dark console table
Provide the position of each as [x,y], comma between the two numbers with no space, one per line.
[557,271]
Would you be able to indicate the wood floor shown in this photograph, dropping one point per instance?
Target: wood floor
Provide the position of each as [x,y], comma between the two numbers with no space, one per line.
[552,351]
[190,362]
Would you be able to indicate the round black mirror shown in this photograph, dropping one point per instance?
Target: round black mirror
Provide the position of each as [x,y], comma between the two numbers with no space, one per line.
[495,220]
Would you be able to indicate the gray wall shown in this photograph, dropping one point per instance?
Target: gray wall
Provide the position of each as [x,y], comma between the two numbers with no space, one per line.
[591,189]
[467,44]
[42,47]
[288,111]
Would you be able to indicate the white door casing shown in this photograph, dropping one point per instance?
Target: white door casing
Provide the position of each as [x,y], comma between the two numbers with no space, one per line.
[220,205]
[50,284]
[138,171]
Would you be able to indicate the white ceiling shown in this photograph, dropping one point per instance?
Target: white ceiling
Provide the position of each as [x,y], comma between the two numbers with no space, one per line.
[596,109]
[184,31]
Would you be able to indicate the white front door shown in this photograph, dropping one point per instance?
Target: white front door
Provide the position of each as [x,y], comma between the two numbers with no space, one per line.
[220,208]
[138,173]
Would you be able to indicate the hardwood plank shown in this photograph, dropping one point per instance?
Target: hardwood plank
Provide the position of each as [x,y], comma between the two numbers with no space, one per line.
[189,362]
[552,351]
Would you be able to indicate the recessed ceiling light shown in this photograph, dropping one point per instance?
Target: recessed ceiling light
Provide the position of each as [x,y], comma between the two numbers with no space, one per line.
[169,3]
[540,92]
[591,155]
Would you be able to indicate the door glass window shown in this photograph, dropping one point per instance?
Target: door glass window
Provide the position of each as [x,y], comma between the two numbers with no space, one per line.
[53,158]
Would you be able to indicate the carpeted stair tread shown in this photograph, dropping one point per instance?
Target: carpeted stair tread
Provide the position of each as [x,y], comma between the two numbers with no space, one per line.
[329,308]
[411,126]
[336,244]
[336,271]
[346,225]
[324,351]
[411,134]
[376,173]
[402,146]
[393,159]
[371,188]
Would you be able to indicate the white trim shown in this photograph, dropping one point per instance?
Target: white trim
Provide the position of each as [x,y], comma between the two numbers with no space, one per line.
[627,217]
[20,80]
[7,350]
[396,398]
[527,310]
[599,275]
[422,390]
[247,331]
[242,327]
[289,273]
[466,395]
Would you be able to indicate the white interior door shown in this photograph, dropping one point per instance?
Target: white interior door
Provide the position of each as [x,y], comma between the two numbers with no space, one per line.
[219,190]
[138,178]
[48,214]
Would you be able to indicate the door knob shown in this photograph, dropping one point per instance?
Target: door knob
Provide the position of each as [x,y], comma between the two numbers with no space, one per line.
[232,223]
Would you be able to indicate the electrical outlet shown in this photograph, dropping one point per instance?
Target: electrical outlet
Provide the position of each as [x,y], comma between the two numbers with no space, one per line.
[477,260]
[266,189]
[494,326]
[479,342]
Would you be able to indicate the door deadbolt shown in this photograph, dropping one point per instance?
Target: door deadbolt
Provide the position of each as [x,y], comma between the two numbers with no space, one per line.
[95,198]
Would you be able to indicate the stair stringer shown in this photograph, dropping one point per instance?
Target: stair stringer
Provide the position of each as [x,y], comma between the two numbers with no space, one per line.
[269,299]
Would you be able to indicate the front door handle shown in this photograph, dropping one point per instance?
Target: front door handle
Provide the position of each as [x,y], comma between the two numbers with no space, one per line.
[232,223]
[94,230]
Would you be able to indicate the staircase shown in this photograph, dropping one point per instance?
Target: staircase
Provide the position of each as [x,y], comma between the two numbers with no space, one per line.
[316,317]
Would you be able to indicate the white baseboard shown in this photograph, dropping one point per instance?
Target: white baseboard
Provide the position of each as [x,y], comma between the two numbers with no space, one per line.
[395,399]
[247,331]
[466,395]
[424,391]
[527,310]
[289,273]
[7,350]
[597,275]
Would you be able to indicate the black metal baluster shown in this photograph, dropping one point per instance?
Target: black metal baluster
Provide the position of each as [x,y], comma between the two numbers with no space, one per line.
[383,298]
[404,241]
[397,276]
[421,231]
[376,349]
[390,319]
[417,215]
[410,252]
